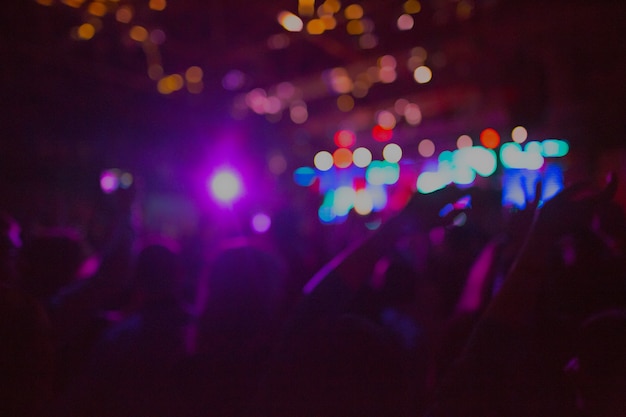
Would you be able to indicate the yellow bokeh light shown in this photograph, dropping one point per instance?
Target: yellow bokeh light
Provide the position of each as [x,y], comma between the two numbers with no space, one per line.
[353,11]
[345,103]
[45,2]
[124,14]
[355,27]
[412,6]
[86,31]
[176,81]
[290,21]
[194,74]
[329,22]
[315,27]
[157,5]
[306,7]
[73,3]
[169,84]
[324,10]
[97,9]
[333,5]
[163,86]
[138,33]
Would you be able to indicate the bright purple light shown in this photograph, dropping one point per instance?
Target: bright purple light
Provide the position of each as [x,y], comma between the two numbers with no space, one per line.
[225,186]
[109,181]
[261,222]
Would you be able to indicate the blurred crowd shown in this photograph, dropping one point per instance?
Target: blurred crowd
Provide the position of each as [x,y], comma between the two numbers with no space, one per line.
[505,313]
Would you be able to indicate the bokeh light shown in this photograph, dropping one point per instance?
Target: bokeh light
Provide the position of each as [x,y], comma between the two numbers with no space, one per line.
[138,33]
[386,119]
[392,152]
[412,6]
[464,141]
[362,157]
[345,102]
[298,112]
[363,202]
[405,22]
[261,222]
[233,80]
[109,181]
[124,14]
[344,138]
[426,148]
[86,31]
[315,27]
[225,186]
[353,11]
[342,158]
[381,134]
[519,134]
[554,148]
[323,160]
[422,74]
[290,21]
[490,138]
[413,114]
[304,176]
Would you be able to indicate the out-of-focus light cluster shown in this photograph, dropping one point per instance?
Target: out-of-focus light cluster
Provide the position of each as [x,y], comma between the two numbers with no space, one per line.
[316,21]
[522,166]
[113,179]
[352,180]
[95,12]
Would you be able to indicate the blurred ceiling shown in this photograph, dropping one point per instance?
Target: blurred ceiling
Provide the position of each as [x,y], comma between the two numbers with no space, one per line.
[555,67]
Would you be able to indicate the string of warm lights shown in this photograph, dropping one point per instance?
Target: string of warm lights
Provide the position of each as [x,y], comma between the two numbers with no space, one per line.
[94,13]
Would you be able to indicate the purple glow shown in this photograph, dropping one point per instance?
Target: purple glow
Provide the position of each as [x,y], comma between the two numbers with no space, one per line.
[109,182]
[261,222]
[225,186]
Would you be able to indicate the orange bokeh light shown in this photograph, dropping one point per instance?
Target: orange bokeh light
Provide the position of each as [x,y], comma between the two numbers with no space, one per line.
[342,158]
[490,138]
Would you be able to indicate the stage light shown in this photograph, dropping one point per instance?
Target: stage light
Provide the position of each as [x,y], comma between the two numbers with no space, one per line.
[225,186]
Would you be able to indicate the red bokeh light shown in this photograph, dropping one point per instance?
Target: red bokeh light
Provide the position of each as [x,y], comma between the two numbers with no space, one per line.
[381,134]
[344,138]
[490,138]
